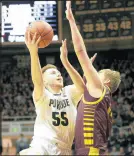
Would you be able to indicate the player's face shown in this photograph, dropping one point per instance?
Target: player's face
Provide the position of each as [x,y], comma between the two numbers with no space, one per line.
[53,77]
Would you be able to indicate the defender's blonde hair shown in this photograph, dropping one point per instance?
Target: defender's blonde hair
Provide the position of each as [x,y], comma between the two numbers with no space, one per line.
[48,66]
[114,77]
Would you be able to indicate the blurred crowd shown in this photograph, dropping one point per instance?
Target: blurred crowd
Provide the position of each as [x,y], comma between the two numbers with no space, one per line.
[16,99]
[16,92]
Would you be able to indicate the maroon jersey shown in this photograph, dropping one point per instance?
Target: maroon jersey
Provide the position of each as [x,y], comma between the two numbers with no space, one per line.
[93,123]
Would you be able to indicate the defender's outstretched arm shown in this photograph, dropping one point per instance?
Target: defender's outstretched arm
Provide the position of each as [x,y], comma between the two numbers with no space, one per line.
[93,80]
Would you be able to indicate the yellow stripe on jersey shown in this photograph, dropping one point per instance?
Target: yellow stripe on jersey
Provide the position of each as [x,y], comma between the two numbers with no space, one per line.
[93,151]
[93,109]
[89,111]
[109,110]
[88,129]
[95,102]
[88,119]
[88,142]
[88,134]
[90,115]
[89,124]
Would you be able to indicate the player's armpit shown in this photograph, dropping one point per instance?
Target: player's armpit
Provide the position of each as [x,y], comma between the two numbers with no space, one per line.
[75,94]
[41,99]
[38,92]
[95,92]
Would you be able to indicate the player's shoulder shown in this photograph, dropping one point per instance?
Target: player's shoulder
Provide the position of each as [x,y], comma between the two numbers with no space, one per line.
[43,99]
[47,92]
[68,88]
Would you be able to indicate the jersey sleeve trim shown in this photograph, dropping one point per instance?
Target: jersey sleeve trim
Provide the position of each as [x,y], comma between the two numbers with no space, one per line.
[108,88]
[95,102]
[109,111]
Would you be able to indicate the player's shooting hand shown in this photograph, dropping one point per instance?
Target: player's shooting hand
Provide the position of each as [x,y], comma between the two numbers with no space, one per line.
[69,14]
[93,58]
[32,43]
[64,51]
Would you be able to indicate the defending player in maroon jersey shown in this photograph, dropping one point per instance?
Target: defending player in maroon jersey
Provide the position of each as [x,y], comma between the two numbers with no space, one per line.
[93,124]
[94,117]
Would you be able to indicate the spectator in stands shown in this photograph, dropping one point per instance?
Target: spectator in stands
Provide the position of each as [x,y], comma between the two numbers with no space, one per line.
[121,140]
[130,138]
[132,153]
[114,151]
[118,121]
[21,143]
[112,141]
[129,151]
[121,152]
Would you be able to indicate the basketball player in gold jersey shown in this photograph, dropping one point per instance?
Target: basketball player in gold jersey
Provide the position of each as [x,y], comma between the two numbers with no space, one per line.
[94,116]
[55,105]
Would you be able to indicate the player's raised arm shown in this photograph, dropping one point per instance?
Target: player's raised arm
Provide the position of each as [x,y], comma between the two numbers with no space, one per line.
[36,73]
[95,85]
[78,87]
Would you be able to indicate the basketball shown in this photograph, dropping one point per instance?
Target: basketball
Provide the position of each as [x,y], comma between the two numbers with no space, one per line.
[42,29]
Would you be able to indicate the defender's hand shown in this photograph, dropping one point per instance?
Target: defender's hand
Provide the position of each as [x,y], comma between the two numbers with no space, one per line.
[63,51]
[69,14]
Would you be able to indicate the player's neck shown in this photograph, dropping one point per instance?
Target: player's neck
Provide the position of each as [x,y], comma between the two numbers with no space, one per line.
[54,89]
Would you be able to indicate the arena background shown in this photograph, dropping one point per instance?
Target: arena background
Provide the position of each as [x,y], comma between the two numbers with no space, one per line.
[107,27]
